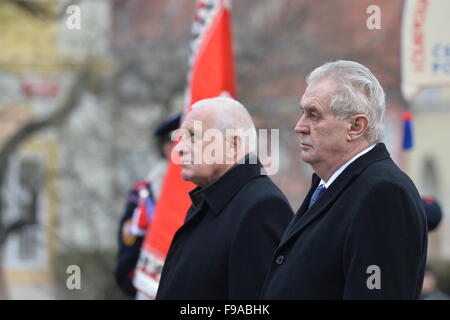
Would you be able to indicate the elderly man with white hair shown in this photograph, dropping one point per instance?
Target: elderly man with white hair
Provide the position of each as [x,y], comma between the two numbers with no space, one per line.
[224,248]
[361,230]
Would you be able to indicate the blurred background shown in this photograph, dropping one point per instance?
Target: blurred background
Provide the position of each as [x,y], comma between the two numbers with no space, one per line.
[78,106]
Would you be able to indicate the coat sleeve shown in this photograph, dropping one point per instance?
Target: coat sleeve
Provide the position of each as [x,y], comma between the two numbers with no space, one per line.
[254,244]
[385,248]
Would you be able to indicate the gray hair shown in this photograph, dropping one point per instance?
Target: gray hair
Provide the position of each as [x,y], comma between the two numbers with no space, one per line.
[357,91]
[230,114]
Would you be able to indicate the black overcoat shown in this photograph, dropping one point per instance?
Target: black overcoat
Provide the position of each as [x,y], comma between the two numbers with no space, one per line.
[364,238]
[224,248]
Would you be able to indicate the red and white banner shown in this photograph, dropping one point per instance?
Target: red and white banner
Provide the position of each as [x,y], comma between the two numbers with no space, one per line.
[425,45]
[211,74]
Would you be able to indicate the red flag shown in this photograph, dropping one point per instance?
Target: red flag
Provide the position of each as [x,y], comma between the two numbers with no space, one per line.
[211,74]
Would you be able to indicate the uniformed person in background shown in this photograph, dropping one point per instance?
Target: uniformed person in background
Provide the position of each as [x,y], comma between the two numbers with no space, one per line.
[433,212]
[139,209]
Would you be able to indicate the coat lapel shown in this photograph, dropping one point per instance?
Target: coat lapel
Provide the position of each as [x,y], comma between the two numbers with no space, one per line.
[304,206]
[304,216]
[320,207]
[193,212]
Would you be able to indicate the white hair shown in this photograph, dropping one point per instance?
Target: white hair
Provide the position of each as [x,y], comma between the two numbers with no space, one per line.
[230,114]
[357,91]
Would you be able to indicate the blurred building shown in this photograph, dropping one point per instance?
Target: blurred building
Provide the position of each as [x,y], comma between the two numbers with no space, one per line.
[428,161]
[39,60]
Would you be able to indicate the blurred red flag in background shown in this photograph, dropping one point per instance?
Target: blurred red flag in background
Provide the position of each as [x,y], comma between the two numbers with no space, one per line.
[211,74]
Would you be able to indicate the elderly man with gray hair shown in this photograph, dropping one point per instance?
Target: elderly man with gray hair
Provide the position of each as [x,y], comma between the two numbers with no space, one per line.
[361,230]
[224,248]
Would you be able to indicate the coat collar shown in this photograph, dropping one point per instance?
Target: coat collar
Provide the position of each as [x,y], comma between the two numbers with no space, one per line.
[218,194]
[305,216]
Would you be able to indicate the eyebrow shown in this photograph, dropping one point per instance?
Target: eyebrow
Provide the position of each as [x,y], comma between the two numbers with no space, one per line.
[309,108]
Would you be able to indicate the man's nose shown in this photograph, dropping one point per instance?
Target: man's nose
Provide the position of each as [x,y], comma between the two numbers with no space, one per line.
[301,126]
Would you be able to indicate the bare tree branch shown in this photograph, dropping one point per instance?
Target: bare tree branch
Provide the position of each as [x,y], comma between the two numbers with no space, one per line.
[33,8]
[57,117]
[33,127]
[12,228]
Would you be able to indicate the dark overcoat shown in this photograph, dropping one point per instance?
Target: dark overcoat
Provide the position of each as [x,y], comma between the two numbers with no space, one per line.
[224,248]
[364,238]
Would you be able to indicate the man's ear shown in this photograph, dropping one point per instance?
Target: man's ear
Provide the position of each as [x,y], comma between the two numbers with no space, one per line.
[236,142]
[233,148]
[231,144]
[357,127]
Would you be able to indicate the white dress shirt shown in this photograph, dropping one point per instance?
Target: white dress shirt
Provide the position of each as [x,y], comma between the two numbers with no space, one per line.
[342,168]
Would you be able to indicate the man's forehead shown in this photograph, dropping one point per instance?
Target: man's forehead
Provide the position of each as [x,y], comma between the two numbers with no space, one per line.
[194,115]
[318,92]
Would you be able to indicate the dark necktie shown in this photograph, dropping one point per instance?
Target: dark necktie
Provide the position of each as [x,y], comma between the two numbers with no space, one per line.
[317,193]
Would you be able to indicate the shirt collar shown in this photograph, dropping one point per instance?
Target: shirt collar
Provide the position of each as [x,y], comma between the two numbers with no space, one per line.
[342,168]
[219,193]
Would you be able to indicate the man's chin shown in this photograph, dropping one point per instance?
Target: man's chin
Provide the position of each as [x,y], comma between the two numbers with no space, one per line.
[305,156]
[185,175]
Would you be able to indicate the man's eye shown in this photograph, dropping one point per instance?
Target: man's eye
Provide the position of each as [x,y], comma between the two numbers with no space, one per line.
[314,115]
